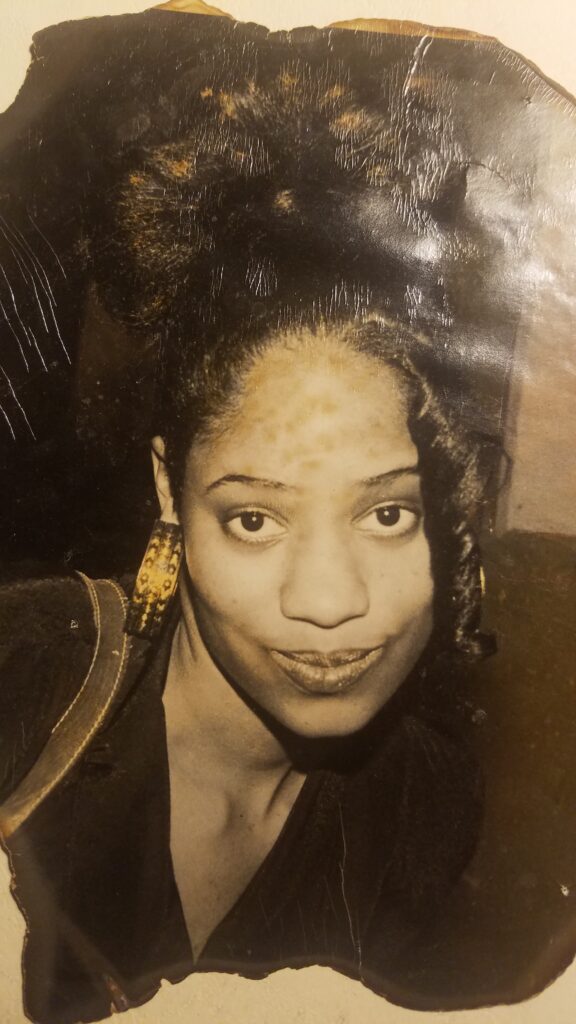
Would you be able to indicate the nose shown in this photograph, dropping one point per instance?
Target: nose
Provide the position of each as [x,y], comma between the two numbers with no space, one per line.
[323,583]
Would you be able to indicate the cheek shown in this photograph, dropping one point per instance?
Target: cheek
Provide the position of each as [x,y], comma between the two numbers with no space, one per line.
[403,581]
[232,584]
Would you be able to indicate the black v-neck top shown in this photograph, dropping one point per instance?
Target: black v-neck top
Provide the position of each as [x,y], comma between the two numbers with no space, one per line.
[367,855]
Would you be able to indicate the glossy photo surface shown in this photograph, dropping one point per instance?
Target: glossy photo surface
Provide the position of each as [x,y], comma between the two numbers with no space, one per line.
[288,580]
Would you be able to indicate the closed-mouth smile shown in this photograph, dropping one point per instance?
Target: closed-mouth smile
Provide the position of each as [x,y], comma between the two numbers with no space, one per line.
[325,673]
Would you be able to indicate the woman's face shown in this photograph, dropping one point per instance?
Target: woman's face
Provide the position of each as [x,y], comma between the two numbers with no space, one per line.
[303,527]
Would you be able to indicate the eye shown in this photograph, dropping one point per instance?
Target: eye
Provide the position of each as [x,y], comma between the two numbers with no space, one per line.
[390,520]
[253,527]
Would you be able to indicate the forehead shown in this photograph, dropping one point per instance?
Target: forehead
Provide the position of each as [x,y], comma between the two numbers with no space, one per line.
[311,402]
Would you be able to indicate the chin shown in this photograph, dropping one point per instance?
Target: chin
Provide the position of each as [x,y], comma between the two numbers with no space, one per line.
[331,717]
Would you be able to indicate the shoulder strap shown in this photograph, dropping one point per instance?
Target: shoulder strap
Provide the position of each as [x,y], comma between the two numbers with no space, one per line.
[87,712]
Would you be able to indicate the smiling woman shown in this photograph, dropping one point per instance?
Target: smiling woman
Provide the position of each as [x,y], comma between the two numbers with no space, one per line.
[291,706]
[310,594]
[310,501]
[261,761]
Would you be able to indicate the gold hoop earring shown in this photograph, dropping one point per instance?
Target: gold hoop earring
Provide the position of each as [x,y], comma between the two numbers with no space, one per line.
[156,581]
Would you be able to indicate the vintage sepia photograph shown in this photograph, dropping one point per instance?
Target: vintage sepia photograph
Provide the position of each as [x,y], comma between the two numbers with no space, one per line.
[288,566]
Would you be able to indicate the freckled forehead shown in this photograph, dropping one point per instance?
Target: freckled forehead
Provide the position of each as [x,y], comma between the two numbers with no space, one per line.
[312,374]
[311,401]
[305,354]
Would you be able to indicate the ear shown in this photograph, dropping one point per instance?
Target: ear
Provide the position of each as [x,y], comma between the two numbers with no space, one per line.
[162,482]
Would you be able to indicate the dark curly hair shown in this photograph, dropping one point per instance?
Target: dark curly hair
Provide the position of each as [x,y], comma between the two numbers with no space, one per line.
[287,190]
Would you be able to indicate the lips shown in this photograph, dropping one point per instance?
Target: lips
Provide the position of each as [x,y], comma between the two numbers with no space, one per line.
[319,673]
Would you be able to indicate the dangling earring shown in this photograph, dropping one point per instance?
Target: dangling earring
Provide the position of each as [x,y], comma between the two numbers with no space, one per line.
[482,577]
[156,581]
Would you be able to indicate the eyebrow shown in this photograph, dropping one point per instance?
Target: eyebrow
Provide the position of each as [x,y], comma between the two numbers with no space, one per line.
[277,485]
[392,474]
[241,478]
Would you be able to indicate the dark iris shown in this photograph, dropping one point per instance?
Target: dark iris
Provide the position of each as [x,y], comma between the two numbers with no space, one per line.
[388,516]
[252,521]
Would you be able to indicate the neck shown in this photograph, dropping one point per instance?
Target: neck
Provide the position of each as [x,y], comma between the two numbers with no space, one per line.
[209,720]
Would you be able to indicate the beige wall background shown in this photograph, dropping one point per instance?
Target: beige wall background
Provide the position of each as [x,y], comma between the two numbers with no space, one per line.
[541,423]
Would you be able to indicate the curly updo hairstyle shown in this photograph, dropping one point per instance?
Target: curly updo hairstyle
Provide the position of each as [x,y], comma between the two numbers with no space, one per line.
[275,187]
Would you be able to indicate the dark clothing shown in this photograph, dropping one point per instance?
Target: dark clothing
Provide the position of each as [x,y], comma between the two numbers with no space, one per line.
[373,843]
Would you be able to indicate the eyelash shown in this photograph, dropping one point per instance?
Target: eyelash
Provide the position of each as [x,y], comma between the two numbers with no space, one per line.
[398,529]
